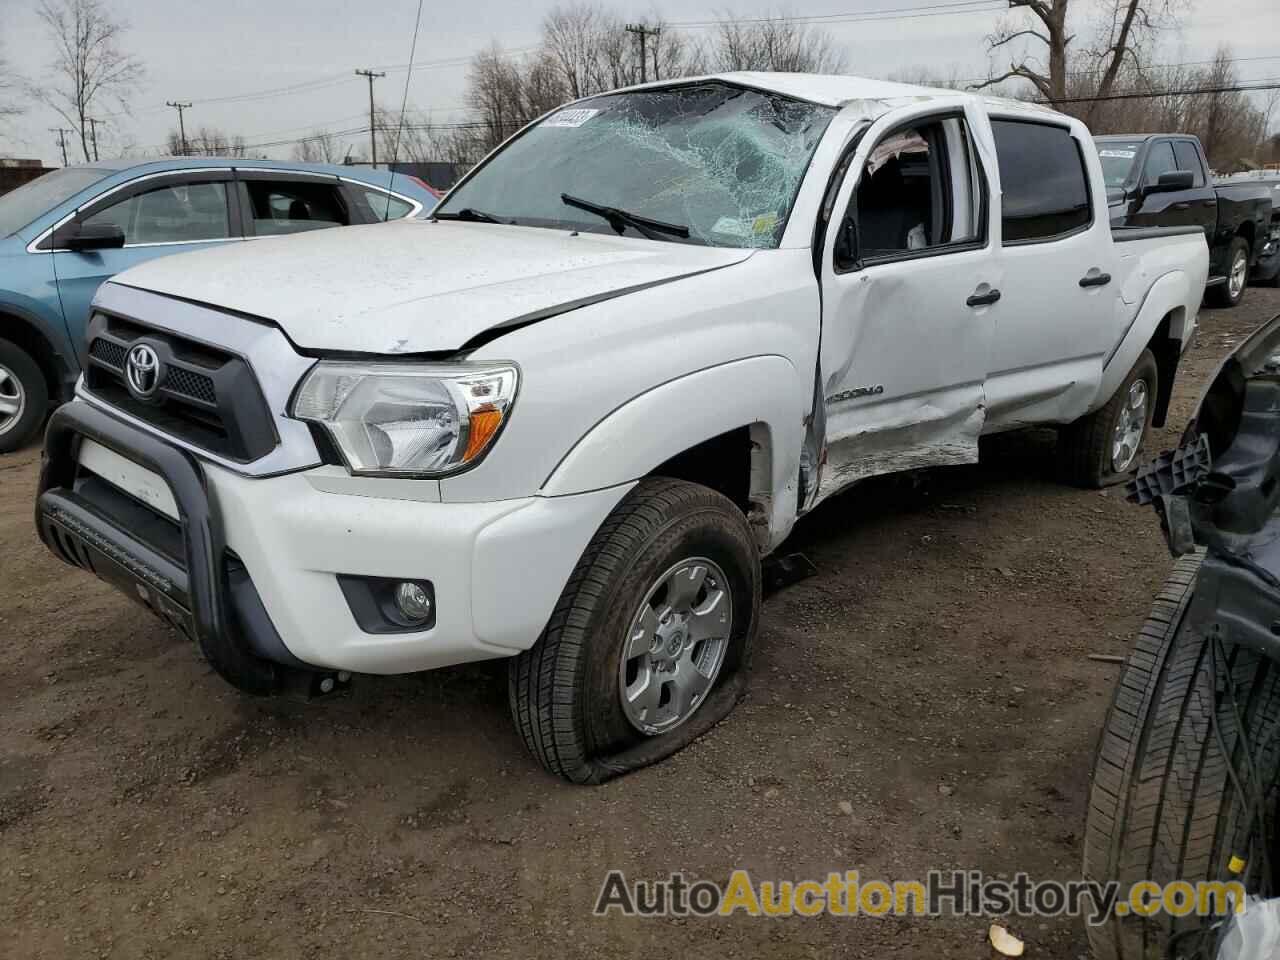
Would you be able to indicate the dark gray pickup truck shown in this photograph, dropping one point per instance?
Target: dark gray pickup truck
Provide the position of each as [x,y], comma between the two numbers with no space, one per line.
[1163,180]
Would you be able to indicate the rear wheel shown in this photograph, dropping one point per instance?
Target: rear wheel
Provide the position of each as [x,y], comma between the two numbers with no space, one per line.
[1230,293]
[1184,779]
[24,396]
[660,610]
[1103,448]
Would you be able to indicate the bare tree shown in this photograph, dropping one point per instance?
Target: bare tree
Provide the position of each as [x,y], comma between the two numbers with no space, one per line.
[10,85]
[319,146]
[1126,29]
[89,65]
[1048,74]
[774,43]
[207,142]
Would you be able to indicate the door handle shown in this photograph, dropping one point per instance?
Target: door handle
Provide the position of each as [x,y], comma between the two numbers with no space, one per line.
[1211,203]
[1096,280]
[1182,205]
[983,299]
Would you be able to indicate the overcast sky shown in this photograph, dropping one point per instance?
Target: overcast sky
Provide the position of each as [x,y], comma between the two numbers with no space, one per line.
[201,51]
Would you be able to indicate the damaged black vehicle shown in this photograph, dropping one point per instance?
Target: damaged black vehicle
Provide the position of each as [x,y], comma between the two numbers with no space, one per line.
[1186,781]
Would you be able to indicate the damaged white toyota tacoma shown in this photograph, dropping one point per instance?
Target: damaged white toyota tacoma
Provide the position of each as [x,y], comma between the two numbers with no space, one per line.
[565,419]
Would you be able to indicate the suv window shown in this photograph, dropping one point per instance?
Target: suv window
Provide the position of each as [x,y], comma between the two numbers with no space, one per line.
[1160,160]
[1045,191]
[177,213]
[287,206]
[919,190]
[1189,159]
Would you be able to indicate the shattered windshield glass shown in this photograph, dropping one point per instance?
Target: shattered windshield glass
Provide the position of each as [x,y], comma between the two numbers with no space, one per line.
[722,160]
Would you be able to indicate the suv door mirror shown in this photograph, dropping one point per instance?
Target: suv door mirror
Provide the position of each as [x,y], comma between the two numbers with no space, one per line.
[88,236]
[845,253]
[1171,181]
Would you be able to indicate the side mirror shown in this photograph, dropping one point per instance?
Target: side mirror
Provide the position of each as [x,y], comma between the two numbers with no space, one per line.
[1171,181]
[92,236]
[845,252]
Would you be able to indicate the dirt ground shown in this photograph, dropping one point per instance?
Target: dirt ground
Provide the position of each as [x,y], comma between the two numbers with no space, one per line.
[933,676]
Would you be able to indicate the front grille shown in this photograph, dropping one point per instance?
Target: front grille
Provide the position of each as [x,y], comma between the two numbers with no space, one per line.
[206,397]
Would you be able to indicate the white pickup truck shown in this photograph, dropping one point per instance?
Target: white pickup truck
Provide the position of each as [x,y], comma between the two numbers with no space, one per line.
[564,419]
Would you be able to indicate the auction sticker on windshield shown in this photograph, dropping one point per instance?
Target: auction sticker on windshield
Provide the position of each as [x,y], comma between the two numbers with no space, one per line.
[570,118]
[1119,154]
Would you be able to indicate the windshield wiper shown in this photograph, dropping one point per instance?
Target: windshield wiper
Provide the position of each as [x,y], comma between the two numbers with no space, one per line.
[471,215]
[620,219]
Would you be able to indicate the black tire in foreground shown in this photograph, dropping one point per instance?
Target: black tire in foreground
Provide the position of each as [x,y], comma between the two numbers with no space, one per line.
[1087,448]
[1164,804]
[24,397]
[1230,292]
[567,690]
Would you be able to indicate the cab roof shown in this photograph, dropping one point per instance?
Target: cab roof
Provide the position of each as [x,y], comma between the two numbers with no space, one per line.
[838,90]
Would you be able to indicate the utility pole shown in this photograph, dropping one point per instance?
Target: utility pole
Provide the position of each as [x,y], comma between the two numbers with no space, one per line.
[182,127]
[62,141]
[373,134]
[643,33]
[93,135]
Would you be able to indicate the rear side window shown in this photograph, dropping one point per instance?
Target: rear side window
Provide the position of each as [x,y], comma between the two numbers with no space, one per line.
[385,206]
[284,206]
[1189,159]
[1042,176]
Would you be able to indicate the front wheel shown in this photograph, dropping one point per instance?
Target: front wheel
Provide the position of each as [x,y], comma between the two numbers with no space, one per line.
[659,614]
[1103,448]
[24,396]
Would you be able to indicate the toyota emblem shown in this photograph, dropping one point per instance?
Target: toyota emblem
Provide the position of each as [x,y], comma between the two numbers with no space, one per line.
[142,371]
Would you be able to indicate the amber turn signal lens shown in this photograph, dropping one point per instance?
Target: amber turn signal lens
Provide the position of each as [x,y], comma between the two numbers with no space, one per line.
[484,424]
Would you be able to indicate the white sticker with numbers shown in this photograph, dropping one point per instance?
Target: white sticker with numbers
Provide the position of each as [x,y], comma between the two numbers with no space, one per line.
[570,118]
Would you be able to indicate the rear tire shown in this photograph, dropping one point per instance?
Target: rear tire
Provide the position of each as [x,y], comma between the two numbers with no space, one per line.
[1087,449]
[567,690]
[1162,805]
[24,397]
[1231,292]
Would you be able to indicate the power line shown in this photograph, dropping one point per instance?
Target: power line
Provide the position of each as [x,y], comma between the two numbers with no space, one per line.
[180,106]
[854,16]
[372,75]
[62,140]
[1268,83]
[643,32]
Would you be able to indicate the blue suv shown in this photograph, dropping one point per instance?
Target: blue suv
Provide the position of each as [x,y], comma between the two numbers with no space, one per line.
[65,233]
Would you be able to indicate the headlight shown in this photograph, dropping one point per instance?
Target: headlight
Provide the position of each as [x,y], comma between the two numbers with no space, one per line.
[423,420]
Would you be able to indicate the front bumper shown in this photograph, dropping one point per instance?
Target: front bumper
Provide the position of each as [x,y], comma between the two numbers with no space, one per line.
[251,568]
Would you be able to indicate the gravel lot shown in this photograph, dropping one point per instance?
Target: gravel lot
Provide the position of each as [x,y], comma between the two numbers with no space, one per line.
[933,677]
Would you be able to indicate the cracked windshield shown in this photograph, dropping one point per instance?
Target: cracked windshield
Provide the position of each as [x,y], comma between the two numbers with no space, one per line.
[722,161]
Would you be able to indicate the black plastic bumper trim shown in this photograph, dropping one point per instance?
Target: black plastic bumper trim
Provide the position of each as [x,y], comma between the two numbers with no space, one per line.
[212,619]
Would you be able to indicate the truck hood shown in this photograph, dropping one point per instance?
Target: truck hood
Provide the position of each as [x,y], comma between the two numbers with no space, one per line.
[418,286]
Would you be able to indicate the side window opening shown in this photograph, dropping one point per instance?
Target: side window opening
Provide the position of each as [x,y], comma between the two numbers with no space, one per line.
[1159,160]
[919,190]
[282,206]
[175,213]
[1189,159]
[1044,187]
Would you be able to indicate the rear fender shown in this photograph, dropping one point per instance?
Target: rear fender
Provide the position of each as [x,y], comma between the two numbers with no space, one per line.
[1173,294]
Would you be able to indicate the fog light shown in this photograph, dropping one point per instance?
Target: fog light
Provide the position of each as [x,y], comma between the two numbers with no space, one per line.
[412,602]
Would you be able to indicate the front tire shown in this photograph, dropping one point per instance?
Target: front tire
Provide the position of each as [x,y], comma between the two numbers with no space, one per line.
[24,396]
[1230,293]
[659,612]
[1103,448]
[1163,806]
